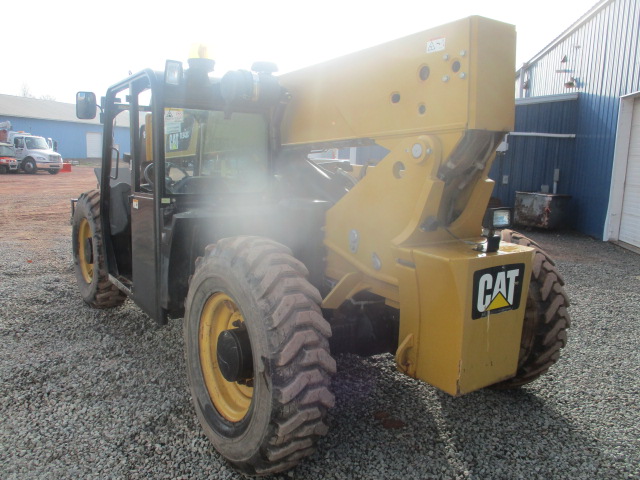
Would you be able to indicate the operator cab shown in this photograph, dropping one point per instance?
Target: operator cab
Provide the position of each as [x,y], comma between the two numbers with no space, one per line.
[201,168]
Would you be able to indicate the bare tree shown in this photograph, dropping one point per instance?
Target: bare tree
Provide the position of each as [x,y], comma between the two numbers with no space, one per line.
[26,91]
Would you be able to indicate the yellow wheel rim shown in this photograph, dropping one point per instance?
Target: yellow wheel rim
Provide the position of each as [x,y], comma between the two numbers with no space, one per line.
[86,267]
[231,399]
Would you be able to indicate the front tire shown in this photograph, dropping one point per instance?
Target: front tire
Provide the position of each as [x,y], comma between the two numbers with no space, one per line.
[29,166]
[268,422]
[546,319]
[54,171]
[88,258]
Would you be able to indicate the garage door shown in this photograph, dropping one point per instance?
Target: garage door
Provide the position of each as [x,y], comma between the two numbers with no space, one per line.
[94,145]
[630,218]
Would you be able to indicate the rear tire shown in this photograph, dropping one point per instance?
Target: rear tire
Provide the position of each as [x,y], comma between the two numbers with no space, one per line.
[268,423]
[3,169]
[88,258]
[546,318]
[29,166]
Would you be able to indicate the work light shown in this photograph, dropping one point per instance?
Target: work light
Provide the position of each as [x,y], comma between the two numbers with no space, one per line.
[497,218]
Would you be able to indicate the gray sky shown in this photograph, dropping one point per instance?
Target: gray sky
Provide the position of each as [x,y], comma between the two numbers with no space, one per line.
[56,48]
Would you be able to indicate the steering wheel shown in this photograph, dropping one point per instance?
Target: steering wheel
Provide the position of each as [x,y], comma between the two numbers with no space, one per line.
[167,178]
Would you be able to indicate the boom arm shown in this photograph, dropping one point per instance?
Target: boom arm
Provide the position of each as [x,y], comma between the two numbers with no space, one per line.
[440,101]
[461,73]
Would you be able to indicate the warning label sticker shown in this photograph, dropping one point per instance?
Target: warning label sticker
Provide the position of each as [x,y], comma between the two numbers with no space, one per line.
[497,289]
[436,45]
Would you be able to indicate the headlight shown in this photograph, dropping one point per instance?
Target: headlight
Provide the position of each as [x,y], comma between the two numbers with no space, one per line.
[40,159]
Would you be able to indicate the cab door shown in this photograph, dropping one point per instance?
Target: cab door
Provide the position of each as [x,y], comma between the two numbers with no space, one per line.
[18,143]
[145,237]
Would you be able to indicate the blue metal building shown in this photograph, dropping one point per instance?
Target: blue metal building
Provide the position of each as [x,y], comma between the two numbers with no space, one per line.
[77,139]
[542,144]
[590,136]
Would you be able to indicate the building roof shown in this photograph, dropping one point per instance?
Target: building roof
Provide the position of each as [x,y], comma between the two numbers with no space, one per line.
[25,107]
[574,26]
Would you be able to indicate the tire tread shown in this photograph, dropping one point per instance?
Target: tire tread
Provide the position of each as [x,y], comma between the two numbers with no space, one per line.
[546,317]
[106,294]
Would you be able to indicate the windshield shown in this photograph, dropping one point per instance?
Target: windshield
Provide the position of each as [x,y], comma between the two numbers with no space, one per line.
[6,151]
[208,152]
[36,143]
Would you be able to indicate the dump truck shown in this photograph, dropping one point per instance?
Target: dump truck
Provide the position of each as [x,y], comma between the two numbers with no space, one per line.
[277,263]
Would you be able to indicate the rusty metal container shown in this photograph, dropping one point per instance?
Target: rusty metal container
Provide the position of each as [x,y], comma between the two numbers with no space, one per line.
[541,210]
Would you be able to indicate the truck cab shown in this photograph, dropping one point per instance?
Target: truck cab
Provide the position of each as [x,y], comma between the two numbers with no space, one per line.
[33,153]
[8,162]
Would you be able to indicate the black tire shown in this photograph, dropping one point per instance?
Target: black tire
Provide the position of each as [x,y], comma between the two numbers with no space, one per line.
[546,318]
[289,346]
[88,257]
[29,166]
[54,171]
[3,169]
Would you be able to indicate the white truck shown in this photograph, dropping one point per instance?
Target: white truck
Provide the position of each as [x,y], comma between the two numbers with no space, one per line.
[33,153]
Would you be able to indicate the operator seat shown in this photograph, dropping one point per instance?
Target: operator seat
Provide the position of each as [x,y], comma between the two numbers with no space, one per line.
[119,209]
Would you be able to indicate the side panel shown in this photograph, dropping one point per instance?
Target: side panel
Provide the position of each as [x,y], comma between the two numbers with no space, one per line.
[142,241]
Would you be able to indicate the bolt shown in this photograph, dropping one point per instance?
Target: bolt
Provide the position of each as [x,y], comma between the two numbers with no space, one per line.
[416,150]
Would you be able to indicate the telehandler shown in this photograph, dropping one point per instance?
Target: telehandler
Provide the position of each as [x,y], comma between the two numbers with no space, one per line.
[277,263]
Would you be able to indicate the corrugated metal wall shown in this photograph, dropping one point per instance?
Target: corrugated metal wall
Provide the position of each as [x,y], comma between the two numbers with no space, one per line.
[602,56]
[530,162]
[71,137]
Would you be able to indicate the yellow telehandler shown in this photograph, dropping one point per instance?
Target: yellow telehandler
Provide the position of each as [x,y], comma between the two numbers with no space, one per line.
[278,262]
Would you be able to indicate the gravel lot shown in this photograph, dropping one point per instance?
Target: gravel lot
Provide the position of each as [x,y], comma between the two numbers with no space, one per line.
[103,394]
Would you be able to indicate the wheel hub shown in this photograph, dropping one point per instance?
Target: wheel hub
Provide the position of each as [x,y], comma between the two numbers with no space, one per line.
[231,397]
[85,250]
[88,250]
[234,355]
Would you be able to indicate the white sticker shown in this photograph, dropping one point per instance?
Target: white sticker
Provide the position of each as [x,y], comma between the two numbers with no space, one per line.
[135,203]
[436,45]
[172,127]
[173,115]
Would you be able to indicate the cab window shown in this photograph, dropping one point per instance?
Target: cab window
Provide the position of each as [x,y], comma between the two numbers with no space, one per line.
[210,152]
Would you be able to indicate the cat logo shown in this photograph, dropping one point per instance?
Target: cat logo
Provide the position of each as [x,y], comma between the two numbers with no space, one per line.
[497,289]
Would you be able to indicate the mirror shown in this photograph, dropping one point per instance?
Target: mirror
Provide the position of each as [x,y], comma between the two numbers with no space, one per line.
[86,105]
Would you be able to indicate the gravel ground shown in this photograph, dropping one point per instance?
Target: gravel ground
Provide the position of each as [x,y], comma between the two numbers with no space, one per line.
[103,394]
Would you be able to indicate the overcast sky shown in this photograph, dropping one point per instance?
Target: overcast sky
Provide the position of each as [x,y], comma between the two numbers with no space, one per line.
[56,48]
